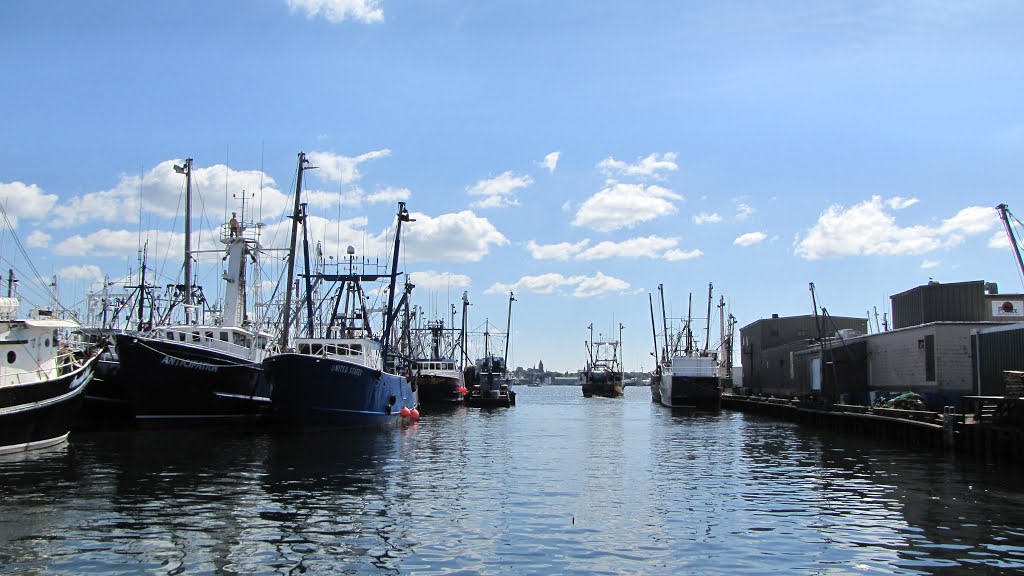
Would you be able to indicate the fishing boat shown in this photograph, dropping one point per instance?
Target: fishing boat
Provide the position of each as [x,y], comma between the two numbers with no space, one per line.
[438,376]
[339,370]
[603,373]
[689,375]
[489,385]
[207,366]
[42,378]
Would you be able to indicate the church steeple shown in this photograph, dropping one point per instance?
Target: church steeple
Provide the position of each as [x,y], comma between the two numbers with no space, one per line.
[540,366]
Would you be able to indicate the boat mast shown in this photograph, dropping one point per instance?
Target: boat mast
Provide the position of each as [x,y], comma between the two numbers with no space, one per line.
[296,216]
[654,330]
[187,301]
[508,326]
[1004,210]
[664,320]
[462,337]
[403,216]
[707,327]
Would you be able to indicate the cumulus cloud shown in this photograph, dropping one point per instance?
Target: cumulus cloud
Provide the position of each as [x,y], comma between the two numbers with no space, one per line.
[868,229]
[38,239]
[500,191]
[161,190]
[643,247]
[650,167]
[435,281]
[342,169]
[705,218]
[365,11]
[582,286]
[458,237]
[625,205]
[677,255]
[107,242]
[82,272]
[389,194]
[999,240]
[899,203]
[560,251]
[551,161]
[750,238]
[25,201]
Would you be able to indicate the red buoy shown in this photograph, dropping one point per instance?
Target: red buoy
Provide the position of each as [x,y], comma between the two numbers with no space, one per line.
[414,414]
[463,390]
[404,413]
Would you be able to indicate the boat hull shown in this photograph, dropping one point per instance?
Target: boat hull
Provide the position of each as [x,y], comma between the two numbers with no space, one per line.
[606,384]
[435,389]
[690,392]
[167,381]
[41,414]
[491,391]
[319,392]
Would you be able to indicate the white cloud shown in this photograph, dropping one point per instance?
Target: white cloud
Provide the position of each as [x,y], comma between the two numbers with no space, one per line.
[926,264]
[551,161]
[499,191]
[744,211]
[676,255]
[38,239]
[342,169]
[25,201]
[600,284]
[436,281]
[999,240]
[162,192]
[365,11]
[643,247]
[649,167]
[705,218]
[106,242]
[389,194]
[458,237]
[899,203]
[81,272]
[750,238]
[625,205]
[560,251]
[584,286]
[867,229]
[323,200]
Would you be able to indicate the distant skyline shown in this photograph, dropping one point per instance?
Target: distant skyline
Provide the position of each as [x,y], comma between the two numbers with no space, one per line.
[578,154]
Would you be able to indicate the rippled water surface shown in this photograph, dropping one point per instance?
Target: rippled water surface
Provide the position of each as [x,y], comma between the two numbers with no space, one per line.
[556,485]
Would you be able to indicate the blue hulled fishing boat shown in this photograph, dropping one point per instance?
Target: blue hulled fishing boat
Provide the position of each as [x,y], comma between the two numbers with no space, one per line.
[341,372]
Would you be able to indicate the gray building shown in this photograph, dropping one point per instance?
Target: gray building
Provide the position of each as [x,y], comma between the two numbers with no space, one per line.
[767,347]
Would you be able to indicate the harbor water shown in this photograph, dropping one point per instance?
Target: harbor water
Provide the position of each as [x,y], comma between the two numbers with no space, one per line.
[559,484]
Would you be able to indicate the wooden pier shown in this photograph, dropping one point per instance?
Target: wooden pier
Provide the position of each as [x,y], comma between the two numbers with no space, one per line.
[991,427]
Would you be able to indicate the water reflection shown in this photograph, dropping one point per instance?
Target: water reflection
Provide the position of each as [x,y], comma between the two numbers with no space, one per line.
[556,484]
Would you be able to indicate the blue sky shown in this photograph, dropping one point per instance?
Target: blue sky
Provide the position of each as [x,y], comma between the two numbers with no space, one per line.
[577,153]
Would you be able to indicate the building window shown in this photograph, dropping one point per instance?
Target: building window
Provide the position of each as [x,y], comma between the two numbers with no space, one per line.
[801,333]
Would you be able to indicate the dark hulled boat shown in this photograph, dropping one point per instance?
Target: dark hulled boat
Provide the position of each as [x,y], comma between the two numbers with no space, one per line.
[207,370]
[42,381]
[487,380]
[603,373]
[342,375]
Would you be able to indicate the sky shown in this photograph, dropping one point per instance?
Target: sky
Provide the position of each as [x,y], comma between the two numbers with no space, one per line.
[576,153]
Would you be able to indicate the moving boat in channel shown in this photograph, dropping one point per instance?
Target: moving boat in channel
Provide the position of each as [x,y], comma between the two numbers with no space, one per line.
[488,381]
[342,371]
[603,373]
